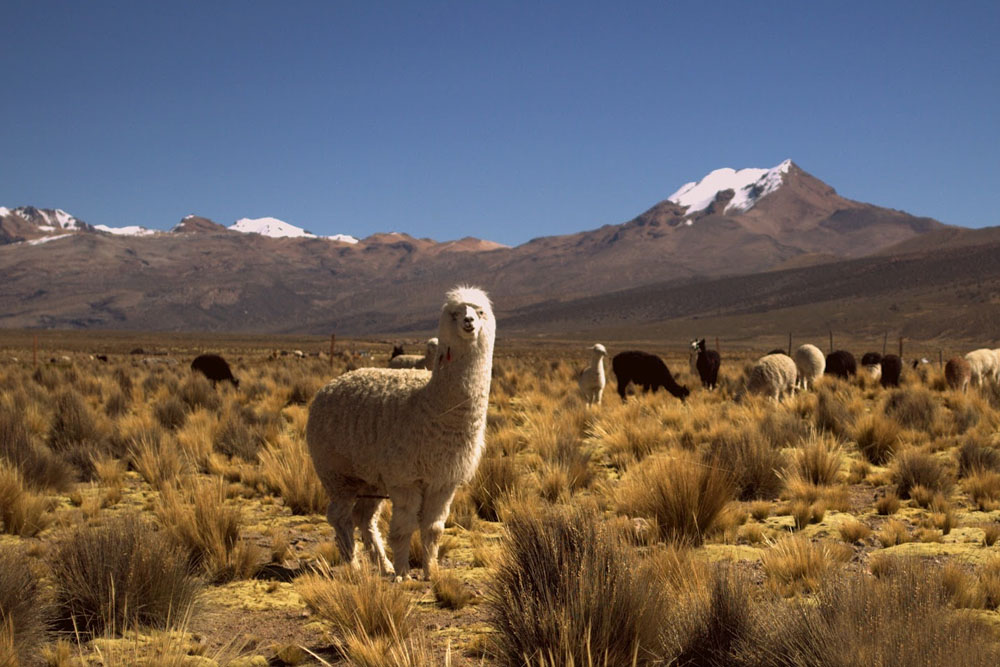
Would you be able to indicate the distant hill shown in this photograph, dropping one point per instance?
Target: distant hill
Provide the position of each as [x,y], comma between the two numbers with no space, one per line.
[277,277]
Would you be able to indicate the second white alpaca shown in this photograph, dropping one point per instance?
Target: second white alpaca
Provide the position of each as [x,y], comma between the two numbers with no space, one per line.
[592,378]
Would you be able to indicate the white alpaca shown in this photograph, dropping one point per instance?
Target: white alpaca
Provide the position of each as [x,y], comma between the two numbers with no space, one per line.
[984,365]
[425,360]
[592,378]
[773,375]
[810,362]
[407,435]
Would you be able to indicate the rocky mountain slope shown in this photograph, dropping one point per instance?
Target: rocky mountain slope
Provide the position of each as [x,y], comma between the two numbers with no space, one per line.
[205,276]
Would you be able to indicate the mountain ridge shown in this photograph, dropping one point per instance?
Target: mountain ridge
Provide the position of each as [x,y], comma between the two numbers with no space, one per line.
[203,275]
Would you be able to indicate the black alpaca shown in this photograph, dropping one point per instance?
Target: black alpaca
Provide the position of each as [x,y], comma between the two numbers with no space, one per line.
[871,359]
[842,364]
[706,362]
[645,370]
[214,368]
[892,366]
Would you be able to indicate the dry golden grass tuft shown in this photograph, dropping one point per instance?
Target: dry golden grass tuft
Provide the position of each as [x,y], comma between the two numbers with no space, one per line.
[565,589]
[208,530]
[795,564]
[358,601]
[818,460]
[120,576]
[22,511]
[878,437]
[24,611]
[682,494]
[451,592]
[915,467]
[288,471]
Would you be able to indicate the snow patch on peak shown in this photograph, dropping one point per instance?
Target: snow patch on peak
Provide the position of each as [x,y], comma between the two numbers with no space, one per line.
[4,211]
[343,238]
[128,230]
[269,227]
[187,217]
[278,229]
[748,185]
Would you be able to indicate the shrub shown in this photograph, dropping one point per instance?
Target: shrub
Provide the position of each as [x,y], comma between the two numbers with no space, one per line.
[756,464]
[915,467]
[208,532]
[877,437]
[118,576]
[170,412]
[684,496]
[38,466]
[900,618]
[358,601]
[75,433]
[832,411]
[22,512]
[451,592]
[236,437]
[913,407]
[288,471]
[817,461]
[565,589]
[975,455]
[795,564]
[494,481]
[24,613]
[197,392]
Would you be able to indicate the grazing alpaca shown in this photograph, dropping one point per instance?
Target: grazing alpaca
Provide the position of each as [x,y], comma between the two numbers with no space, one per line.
[409,435]
[647,371]
[773,375]
[984,365]
[214,368]
[892,367]
[809,364]
[425,360]
[872,363]
[592,379]
[957,373]
[842,364]
[705,364]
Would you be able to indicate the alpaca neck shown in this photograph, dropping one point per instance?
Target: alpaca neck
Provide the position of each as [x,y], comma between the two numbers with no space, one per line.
[461,379]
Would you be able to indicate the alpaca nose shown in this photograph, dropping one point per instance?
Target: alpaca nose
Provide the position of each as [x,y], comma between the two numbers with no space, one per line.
[468,319]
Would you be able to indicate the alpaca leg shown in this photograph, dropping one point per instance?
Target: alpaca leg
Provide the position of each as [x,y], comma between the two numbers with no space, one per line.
[433,513]
[405,508]
[600,393]
[366,513]
[340,515]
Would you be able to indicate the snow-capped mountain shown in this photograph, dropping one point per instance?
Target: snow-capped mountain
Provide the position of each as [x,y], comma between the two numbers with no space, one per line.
[276,228]
[729,223]
[45,219]
[749,186]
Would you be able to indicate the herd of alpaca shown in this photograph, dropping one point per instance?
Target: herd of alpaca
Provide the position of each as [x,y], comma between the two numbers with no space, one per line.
[414,432]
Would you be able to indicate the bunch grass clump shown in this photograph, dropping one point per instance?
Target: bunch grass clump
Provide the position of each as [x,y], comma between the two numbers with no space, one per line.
[121,576]
[358,601]
[207,530]
[683,495]
[565,589]
[916,467]
[24,611]
[878,437]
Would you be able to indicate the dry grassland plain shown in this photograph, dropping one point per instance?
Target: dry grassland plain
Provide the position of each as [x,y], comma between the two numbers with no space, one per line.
[149,518]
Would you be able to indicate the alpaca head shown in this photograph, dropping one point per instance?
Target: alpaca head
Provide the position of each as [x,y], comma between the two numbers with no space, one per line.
[466,319]
[599,350]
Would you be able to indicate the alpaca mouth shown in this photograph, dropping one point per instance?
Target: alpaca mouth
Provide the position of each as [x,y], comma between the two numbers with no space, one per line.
[468,328]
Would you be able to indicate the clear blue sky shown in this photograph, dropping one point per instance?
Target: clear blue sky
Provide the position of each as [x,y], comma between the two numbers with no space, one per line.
[502,120]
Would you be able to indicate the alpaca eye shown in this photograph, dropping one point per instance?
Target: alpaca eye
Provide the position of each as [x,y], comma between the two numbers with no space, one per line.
[454,317]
